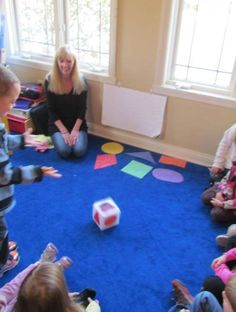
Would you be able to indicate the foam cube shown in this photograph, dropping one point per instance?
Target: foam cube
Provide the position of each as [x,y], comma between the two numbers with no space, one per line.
[106,213]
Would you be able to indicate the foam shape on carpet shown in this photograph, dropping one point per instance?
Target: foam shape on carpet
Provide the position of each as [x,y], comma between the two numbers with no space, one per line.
[137,169]
[172,161]
[112,148]
[168,175]
[143,155]
[105,160]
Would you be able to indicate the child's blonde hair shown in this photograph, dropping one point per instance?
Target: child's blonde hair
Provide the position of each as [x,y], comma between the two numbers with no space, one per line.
[55,80]
[230,291]
[7,79]
[45,290]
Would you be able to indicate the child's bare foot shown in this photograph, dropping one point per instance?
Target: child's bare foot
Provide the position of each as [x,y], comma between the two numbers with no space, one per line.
[65,262]
[49,254]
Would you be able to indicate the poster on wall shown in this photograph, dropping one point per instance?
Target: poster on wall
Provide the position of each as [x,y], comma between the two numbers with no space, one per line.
[132,110]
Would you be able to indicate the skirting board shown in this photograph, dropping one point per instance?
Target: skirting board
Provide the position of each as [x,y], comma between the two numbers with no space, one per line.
[150,144]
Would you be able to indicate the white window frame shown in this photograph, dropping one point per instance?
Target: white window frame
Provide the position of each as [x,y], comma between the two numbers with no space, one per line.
[45,63]
[165,50]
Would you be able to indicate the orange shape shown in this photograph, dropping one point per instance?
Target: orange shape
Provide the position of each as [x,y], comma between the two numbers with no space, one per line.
[172,161]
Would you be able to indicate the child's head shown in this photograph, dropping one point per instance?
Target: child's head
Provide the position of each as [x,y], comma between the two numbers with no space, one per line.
[229,295]
[45,290]
[9,90]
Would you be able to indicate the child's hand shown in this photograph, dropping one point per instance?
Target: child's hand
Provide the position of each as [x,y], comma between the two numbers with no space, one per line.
[217,203]
[218,261]
[219,196]
[94,305]
[50,172]
[215,170]
[30,139]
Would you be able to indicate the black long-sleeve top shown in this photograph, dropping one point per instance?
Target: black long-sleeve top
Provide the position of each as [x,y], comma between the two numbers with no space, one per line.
[67,108]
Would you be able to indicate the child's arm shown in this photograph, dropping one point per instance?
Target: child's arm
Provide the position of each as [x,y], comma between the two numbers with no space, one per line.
[224,146]
[227,256]
[30,139]
[220,267]
[25,175]
[21,140]
[8,293]
[230,204]
[217,203]
[223,272]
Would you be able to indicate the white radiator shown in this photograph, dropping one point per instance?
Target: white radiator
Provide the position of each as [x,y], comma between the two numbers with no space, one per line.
[131,110]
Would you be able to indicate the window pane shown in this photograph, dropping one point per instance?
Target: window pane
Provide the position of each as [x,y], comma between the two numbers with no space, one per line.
[181,72]
[223,80]
[89,31]
[36,27]
[206,44]
[201,76]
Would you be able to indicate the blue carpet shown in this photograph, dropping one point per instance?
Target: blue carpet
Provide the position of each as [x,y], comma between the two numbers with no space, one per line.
[164,231]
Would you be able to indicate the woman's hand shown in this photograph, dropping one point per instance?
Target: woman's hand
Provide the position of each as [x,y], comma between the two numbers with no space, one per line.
[50,172]
[74,136]
[66,137]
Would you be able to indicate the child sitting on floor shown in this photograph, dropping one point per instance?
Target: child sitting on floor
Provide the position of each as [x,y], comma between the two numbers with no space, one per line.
[42,287]
[222,197]
[222,270]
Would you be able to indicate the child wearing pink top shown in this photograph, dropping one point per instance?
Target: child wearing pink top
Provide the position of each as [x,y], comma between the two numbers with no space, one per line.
[222,197]
[10,292]
[219,265]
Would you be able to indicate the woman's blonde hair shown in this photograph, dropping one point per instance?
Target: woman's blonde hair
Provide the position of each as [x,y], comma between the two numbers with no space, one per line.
[7,79]
[55,80]
[45,290]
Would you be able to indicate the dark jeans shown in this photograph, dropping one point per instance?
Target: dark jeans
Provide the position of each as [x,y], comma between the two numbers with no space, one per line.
[3,242]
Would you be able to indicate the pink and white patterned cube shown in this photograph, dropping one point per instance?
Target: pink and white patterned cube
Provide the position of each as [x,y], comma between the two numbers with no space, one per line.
[106,213]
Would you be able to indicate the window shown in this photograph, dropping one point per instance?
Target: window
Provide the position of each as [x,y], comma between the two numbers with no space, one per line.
[38,28]
[201,47]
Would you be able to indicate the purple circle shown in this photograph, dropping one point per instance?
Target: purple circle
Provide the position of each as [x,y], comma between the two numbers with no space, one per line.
[168,175]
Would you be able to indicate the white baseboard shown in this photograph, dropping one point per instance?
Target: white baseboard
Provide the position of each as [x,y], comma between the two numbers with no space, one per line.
[149,144]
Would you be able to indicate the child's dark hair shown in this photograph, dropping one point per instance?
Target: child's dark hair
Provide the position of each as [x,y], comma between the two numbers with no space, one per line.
[7,79]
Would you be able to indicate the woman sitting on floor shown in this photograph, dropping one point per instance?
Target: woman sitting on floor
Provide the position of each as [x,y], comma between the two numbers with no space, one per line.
[67,103]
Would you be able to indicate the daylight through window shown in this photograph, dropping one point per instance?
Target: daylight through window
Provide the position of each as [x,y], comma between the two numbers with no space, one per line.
[42,26]
[202,46]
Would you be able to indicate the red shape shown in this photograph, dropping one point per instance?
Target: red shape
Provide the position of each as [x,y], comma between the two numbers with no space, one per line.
[96,217]
[110,220]
[105,160]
